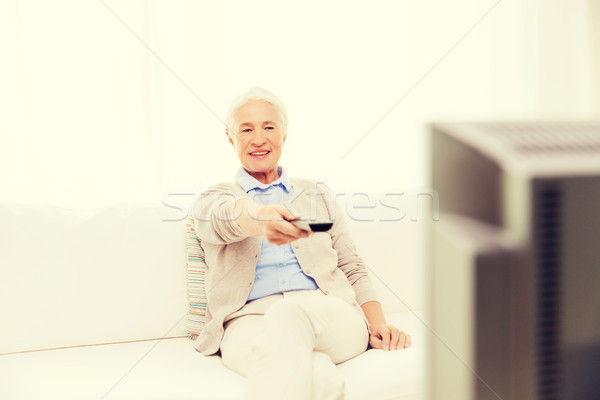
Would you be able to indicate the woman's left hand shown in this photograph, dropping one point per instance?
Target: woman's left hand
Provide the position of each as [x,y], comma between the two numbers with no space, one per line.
[388,337]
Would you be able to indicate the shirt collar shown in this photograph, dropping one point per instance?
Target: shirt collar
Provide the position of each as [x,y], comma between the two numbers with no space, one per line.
[248,183]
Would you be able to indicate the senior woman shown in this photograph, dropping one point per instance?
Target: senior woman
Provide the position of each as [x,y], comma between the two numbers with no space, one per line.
[284,305]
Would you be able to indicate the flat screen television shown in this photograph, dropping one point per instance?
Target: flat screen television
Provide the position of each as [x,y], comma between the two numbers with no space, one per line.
[514,261]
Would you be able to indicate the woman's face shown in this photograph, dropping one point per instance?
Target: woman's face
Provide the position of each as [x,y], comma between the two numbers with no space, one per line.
[258,139]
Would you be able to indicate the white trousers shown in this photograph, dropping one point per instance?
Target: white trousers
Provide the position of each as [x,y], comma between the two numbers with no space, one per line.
[287,344]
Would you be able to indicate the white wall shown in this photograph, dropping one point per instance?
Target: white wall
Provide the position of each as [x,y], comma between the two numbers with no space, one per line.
[93,115]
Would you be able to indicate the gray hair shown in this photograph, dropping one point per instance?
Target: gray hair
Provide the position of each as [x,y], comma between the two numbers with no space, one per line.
[256,93]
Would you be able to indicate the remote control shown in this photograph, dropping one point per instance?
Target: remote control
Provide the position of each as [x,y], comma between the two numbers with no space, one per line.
[314,226]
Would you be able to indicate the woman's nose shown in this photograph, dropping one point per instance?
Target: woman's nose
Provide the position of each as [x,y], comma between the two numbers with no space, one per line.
[259,137]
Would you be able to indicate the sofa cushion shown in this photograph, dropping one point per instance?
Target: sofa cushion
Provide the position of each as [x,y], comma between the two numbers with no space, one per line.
[171,369]
[73,276]
[196,270]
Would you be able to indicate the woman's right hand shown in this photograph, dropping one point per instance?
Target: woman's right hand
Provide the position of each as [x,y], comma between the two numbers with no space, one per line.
[275,225]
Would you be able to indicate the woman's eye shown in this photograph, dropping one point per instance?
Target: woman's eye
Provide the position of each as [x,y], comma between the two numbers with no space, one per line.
[270,127]
[247,130]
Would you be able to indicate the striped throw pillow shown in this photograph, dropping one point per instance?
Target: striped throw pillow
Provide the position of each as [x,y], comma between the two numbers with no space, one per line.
[196,270]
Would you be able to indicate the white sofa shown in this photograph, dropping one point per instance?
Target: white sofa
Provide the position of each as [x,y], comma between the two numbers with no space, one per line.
[94,302]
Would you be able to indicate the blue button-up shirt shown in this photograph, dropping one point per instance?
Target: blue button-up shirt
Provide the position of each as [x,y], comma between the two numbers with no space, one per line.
[277,269]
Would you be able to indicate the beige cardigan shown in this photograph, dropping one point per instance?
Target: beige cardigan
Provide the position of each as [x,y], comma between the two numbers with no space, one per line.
[231,256]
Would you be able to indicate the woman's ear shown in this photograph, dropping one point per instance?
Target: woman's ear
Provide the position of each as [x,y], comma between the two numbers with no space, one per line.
[229,137]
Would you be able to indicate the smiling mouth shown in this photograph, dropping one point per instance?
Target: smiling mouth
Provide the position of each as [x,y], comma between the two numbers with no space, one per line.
[260,154]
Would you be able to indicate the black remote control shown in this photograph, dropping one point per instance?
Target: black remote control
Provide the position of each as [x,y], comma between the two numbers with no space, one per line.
[314,226]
